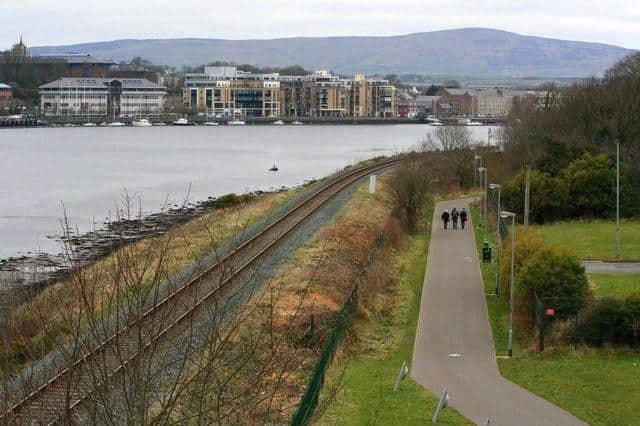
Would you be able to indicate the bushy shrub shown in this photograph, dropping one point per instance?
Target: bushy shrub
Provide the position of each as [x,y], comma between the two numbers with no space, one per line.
[556,276]
[589,183]
[556,155]
[631,313]
[528,244]
[546,199]
[600,323]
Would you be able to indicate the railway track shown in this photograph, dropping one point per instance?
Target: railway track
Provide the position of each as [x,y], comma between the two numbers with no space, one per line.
[56,401]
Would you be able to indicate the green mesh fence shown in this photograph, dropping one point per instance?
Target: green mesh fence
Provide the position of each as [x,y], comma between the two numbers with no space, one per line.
[311,397]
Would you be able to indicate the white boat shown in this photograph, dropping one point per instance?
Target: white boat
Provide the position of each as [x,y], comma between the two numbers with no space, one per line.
[88,125]
[236,123]
[181,122]
[70,125]
[211,123]
[469,122]
[435,123]
[159,123]
[278,123]
[143,122]
[104,123]
[296,123]
[116,124]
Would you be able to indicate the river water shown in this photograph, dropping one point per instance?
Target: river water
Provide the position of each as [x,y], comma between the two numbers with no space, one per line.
[87,170]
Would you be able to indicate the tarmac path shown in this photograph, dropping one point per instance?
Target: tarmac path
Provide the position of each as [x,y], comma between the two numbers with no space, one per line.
[454,347]
[600,267]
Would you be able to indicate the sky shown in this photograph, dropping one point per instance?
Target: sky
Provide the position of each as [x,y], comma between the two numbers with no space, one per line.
[56,22]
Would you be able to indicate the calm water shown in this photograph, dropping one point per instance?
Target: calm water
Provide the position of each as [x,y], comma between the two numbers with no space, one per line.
[88,169]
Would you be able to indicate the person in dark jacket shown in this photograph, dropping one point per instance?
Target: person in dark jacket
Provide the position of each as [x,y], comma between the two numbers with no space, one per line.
[454,217]
[463,217]
[445,218]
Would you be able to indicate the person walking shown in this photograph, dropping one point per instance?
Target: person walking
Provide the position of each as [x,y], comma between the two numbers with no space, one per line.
[463,217]
[454,217]
[445,218]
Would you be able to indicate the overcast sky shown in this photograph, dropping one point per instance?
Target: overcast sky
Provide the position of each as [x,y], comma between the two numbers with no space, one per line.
[52,22]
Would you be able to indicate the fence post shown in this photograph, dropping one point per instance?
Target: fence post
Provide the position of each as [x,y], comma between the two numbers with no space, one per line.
[538,309]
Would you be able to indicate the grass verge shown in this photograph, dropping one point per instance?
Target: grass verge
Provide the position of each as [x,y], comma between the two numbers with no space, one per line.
[594,239]
[497,309]
[599,386]
[379,345]
[619,285]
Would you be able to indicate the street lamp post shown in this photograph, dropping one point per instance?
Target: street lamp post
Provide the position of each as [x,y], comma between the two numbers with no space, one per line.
[496,186]
[617,198]
[506,215]
[483,170]
[475,169]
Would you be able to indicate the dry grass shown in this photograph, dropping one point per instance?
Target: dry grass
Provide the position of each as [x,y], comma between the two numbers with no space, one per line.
[308,289]
[28,330]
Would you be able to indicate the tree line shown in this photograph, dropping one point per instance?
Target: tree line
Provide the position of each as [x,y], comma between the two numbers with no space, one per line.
[571,147]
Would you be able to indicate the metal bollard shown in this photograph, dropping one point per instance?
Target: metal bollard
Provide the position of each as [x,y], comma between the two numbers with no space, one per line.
[442,404]
[404,370]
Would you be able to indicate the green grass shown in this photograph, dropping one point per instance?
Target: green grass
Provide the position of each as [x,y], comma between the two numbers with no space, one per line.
[366,393]
[599,386]
[594,240]
[620,285]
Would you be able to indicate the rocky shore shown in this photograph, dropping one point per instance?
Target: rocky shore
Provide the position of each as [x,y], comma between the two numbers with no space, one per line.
[34,271]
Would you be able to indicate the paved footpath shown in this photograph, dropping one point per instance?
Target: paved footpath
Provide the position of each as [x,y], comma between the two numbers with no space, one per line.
[599,267]
[454,320]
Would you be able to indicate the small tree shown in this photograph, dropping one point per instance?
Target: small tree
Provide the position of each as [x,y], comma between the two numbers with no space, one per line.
[409,188]
[546,198]
[556,275]
[589,182]
[455,144]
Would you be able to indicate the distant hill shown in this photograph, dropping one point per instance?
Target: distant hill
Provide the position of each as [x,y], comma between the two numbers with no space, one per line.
[478,52]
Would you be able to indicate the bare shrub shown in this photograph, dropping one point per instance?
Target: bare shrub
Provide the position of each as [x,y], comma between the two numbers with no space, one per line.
[409,186]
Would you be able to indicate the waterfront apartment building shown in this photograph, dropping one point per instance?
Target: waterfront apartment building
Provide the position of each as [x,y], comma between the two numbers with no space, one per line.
[492,103]
[102,96]
[226,91]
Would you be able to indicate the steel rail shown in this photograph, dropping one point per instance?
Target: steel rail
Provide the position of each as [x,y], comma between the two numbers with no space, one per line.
[338,184]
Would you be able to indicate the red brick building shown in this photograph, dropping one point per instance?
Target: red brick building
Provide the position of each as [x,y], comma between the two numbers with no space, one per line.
[458,102]
[6,94]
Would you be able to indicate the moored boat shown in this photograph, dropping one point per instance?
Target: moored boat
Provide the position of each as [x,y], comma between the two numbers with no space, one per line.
[143,122]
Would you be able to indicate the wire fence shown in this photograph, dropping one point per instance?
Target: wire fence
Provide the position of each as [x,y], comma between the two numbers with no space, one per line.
[311,397]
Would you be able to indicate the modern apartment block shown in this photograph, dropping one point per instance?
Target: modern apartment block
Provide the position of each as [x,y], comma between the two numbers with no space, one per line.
[486,103]
[226,91]
[102,96]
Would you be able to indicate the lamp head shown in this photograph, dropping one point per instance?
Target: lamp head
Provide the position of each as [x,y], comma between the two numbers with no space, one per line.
[482,169]
[505,215]
[495,186]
